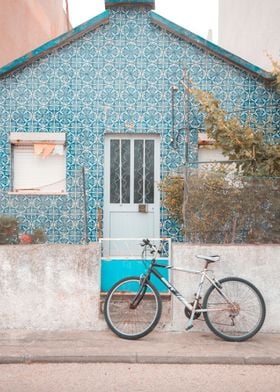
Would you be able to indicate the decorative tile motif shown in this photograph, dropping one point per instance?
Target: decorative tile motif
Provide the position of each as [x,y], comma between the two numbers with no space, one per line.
[118,79]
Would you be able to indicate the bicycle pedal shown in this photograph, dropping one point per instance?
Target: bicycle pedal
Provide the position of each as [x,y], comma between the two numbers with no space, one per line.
[189,327]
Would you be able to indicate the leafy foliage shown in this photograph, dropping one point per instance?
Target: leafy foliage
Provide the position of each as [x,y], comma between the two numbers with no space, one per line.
[221,208]
[172,187]
[38,236]
[238,141]
[8,230]
[9,233]
[276,71]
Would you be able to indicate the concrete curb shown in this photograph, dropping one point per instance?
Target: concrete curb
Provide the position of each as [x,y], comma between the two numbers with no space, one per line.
[158,348]
[141,359]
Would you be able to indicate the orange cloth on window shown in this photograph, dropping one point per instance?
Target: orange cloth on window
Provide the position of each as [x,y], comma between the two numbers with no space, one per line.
[38,149]
[44,149]
[48,150]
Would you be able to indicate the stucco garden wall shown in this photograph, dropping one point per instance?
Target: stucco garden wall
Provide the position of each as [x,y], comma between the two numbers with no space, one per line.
[49,287]
[57,287]
[258,263]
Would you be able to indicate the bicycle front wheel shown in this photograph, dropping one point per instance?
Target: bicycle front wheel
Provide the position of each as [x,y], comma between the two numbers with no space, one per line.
[132,308]
[236,312]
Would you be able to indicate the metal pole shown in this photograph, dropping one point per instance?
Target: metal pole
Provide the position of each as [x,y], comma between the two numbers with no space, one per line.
[85,206]
[186,168]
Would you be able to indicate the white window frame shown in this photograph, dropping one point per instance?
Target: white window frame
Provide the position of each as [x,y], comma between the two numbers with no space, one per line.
[36,174]
[207,151]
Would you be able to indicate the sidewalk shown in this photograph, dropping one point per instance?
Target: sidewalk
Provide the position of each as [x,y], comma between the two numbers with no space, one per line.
[158,347]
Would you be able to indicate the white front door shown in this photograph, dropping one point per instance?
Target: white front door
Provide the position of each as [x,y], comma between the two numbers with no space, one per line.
[132,172]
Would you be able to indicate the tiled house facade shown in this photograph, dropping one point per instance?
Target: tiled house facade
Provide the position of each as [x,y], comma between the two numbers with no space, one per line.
[109,88]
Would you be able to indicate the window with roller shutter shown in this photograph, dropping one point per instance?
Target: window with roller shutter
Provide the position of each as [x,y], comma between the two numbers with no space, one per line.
[38,163]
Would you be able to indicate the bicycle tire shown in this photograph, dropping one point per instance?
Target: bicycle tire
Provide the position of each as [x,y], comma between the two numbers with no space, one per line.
[239,322]
[128,323]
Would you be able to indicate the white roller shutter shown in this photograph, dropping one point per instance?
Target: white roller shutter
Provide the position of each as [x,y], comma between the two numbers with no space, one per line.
[33,173]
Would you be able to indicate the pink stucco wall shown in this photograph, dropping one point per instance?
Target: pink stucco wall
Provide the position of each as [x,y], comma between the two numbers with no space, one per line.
[27,24]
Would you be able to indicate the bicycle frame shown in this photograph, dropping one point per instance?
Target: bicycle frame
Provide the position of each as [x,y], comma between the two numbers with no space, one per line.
[191,307]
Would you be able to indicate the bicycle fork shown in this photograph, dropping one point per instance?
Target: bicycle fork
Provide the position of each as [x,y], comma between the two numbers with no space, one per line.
[141,293]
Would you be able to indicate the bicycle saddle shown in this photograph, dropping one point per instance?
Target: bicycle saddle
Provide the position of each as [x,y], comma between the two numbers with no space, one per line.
[210,259]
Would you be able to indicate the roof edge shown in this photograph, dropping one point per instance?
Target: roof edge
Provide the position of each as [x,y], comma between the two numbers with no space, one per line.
[57,42]
[210,46]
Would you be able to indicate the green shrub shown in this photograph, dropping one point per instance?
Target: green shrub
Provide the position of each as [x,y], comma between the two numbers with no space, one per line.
[172,187]
[8,230]
[38,236]
[9,233]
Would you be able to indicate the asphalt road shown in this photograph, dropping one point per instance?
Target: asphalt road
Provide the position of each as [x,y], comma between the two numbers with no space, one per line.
[136,377]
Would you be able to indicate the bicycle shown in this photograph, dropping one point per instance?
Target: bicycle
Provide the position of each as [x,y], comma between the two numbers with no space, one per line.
[233,308]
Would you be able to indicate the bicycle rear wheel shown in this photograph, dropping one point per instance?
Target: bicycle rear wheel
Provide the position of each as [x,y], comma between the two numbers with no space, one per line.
[132,308]
[236,312]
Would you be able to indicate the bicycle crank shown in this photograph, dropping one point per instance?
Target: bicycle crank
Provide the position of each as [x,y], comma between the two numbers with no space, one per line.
[188,312]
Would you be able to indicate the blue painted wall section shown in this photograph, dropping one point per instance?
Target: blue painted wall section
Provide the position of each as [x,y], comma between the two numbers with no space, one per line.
[114,270]
[114,74]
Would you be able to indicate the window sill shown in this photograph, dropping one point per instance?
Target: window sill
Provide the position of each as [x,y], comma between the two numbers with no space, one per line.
[36,193]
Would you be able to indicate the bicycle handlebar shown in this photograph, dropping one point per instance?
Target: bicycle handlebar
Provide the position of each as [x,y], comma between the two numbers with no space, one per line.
[146,242]
[153,247]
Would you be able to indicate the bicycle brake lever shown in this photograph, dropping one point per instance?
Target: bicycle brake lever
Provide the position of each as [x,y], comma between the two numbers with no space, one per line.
[146,242]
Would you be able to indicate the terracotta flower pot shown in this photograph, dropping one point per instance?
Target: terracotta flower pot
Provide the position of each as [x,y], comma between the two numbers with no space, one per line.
[25,239]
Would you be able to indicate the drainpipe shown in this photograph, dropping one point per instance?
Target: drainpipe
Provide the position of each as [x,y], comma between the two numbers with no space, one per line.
[85,239]
[174,89]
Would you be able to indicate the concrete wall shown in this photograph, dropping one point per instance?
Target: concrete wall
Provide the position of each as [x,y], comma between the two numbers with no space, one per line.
[24,25]
[258,263]
[57,287]
[49,287]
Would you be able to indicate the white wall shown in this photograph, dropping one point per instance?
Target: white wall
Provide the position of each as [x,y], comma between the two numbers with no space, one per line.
[249,28]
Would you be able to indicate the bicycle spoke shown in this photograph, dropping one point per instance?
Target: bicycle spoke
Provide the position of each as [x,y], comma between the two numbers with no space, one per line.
[241,317]
[132,311]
